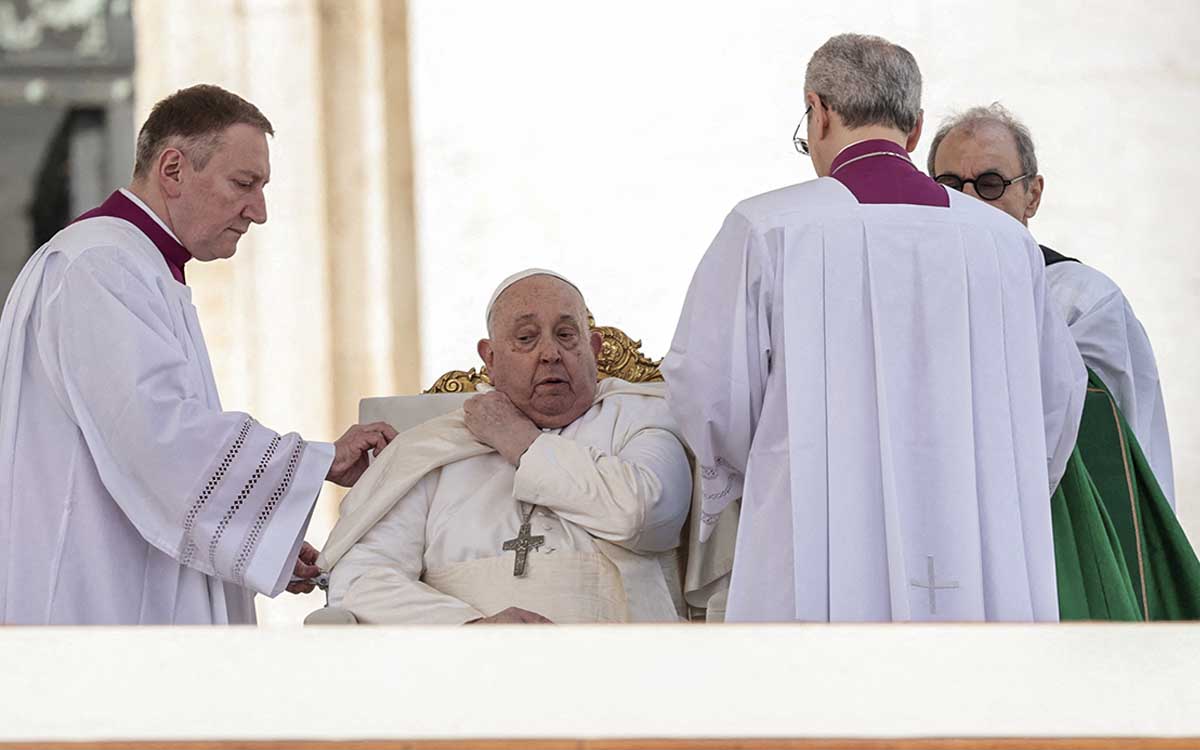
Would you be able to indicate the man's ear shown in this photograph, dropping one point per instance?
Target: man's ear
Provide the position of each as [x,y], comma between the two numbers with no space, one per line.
[170,172]
[914,136]
[1036,185]
[596,340]
[820,115]
[484,347]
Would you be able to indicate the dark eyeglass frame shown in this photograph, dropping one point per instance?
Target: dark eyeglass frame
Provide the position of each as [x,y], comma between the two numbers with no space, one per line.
[799,142]
[958,183]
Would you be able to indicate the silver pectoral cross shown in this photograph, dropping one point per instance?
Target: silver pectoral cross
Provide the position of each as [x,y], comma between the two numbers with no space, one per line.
[933,585]
[522,544]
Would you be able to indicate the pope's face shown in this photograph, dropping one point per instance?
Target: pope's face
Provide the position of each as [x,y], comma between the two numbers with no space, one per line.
[217,205]
[989,147]
[541,353]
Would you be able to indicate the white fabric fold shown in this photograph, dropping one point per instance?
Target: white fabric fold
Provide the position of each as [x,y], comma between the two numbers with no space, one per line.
[567,588]
[1114,344]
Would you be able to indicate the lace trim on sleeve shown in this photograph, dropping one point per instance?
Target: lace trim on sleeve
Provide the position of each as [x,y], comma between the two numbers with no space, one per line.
[210,487]
[250,543]
[240,500]
[716,492]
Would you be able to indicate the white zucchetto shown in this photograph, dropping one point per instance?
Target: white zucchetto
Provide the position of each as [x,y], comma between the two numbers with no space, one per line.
[518,276]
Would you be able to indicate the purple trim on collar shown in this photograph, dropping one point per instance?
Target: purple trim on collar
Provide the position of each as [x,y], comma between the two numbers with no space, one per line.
[119,207]
[886,179]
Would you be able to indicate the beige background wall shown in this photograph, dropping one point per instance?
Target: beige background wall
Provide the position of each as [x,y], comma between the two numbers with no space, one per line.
[608,141]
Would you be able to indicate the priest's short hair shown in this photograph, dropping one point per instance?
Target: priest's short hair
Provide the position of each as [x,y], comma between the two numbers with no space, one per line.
[867,80]
[993,113]
[192,120]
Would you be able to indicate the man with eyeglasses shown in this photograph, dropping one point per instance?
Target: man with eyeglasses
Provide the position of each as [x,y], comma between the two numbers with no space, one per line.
[868,362]
[987,153]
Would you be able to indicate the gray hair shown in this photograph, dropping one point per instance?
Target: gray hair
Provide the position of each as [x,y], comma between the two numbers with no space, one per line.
[867,80]
[994,113]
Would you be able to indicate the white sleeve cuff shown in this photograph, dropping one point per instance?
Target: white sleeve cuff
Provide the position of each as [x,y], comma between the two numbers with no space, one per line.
[270,569]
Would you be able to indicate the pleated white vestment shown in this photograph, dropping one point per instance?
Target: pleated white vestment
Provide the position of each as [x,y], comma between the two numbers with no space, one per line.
[888,392]
[126,495]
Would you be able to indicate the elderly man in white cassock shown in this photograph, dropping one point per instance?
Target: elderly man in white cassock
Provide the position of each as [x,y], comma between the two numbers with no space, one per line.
[550,498]
[128,496]
[869,362]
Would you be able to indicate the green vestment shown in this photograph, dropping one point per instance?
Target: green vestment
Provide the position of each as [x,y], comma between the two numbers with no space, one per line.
[1119,549]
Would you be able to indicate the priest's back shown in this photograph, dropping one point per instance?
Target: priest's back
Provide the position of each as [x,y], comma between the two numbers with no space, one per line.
[883,384]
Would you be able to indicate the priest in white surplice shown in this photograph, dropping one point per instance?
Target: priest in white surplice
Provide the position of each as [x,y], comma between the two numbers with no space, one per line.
[127,496]
[869,362]
[1111,339]
[547,498]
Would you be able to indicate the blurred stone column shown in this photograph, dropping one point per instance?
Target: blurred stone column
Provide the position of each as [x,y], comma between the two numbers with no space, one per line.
[369,210]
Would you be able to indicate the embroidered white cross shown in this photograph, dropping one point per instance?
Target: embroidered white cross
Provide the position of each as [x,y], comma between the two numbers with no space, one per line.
[933,585]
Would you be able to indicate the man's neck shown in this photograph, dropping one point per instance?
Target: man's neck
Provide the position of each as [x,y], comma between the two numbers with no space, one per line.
[847,138]
[154,201]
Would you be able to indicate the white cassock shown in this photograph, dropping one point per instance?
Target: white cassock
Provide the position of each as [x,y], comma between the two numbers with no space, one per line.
[127,495]
[887,390]
[1115,345]
[608,495]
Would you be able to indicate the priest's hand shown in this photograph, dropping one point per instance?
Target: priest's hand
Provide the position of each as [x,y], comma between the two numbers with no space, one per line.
[512,616]
[306,568]
[494,420]
[351,449]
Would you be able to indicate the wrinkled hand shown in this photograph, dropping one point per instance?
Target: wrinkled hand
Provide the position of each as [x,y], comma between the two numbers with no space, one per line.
[351,449]
[494,420]
[512,616]
[306,567]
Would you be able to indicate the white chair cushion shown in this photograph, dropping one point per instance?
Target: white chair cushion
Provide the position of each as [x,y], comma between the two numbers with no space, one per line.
[406,412]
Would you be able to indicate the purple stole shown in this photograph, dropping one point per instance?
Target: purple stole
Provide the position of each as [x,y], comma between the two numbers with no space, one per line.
[885,179]
[119,207]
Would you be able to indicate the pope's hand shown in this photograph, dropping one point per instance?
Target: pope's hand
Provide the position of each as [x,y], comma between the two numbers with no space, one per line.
[351,449]
[512,616]
[494,420]
[306,567]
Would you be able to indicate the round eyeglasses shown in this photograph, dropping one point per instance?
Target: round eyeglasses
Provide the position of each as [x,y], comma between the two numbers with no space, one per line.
[799,142]
[989,185]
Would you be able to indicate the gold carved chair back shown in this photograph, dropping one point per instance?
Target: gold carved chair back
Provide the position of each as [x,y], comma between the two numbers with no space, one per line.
[620,357]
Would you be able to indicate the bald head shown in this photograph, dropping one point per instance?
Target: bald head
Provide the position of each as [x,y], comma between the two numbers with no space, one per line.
[989,120]
[540,351]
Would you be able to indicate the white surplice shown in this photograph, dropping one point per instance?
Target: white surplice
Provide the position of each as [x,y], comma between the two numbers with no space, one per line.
[888,391]
[616,476]
[126,495]
[1115,345]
